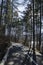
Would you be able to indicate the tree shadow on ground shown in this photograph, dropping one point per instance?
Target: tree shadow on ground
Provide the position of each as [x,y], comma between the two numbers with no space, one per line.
[16,56]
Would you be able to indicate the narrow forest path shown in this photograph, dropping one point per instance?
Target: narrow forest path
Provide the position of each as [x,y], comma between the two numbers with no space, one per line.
[17,53]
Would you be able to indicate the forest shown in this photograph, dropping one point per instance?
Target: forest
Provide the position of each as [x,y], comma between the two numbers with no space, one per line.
[21,26]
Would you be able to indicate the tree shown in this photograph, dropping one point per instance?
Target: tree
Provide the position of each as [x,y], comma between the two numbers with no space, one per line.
[27,17]
[38,5]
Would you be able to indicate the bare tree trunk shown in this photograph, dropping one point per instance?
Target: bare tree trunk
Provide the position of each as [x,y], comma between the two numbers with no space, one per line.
[34,56]
[40,27]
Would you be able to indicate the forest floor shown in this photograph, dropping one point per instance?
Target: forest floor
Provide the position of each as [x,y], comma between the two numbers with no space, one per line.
[17,54]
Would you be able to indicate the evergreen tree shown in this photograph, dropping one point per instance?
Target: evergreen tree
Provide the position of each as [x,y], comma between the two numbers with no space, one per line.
[26,18]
